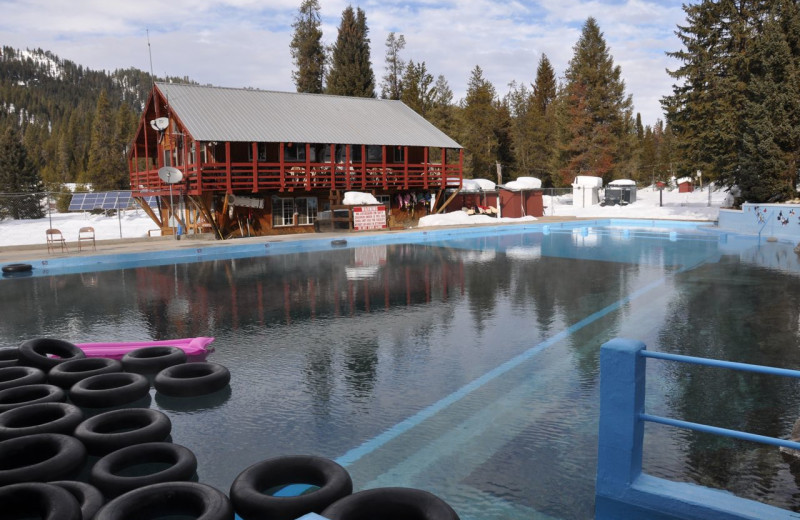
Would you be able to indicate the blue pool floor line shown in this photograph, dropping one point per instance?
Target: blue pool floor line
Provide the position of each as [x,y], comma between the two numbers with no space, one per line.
[402,427]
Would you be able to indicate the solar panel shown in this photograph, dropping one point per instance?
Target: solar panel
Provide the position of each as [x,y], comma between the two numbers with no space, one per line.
[107,200]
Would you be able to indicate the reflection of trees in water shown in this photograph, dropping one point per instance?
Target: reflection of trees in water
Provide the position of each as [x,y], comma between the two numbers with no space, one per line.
[735,312]
[62,306]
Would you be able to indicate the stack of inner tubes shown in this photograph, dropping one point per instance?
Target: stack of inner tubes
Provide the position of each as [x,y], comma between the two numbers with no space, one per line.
[51,434]
[64,416]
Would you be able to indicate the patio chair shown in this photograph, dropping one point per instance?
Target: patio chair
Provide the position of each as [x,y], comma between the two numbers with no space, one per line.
[55,239]
[86,234]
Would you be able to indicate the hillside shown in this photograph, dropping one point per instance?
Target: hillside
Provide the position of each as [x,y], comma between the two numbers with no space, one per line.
[54,103]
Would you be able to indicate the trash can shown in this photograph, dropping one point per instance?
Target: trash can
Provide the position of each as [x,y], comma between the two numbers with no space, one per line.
[619,192]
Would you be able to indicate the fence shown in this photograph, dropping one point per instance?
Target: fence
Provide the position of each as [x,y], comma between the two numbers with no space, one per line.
[622,490]
[25,217]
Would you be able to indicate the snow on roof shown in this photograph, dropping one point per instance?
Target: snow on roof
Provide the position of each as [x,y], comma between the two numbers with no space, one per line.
[523,183]
[477,185]
[356,198]
[588,181]
[622,182]
[684,179]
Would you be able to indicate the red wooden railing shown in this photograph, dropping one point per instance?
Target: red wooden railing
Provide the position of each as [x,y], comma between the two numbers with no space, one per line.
[256,177]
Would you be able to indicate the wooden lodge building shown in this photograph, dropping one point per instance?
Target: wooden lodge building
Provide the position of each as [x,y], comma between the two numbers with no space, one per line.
[258,162]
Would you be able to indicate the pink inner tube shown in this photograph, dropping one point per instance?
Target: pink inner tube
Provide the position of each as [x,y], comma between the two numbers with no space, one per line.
[192,346]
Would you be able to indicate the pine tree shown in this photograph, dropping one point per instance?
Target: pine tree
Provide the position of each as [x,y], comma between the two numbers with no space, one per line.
[103,162]
[19,177]
[392,85]
[442,112]
[769,159]
[598,109]
[542,122]
[418,92]
[124,126]
[726,112]
[350,73]
[478,125]
[307,51]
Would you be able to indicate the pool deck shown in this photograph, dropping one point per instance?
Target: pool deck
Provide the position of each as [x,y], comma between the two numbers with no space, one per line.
[23,253]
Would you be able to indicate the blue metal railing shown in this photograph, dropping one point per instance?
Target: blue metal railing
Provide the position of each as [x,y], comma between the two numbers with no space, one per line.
[743,367]
[622,490]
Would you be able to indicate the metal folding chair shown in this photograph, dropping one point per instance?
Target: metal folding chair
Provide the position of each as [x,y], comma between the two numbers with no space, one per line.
[55,239]
[86,234]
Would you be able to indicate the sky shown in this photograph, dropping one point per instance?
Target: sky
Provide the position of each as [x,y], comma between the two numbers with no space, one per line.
[245,43]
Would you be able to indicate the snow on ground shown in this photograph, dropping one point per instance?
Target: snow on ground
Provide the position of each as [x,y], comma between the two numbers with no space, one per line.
[673,206]
[135,223]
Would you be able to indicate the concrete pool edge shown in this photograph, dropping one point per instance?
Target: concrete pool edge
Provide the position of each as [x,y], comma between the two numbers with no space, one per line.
[144,253]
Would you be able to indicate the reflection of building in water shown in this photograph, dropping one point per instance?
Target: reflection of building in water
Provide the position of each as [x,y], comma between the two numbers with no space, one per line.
[287,288]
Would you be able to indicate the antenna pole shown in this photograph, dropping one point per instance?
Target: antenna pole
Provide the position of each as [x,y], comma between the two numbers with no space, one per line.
[150,52]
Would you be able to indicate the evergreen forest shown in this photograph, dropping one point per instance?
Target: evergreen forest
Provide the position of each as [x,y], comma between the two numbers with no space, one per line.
[733,112]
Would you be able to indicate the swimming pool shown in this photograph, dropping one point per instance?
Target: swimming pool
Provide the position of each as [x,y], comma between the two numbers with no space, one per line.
[465,364]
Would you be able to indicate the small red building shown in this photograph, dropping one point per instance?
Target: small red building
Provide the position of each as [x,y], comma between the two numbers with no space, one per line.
[521,203]
[685,185]
[259,162]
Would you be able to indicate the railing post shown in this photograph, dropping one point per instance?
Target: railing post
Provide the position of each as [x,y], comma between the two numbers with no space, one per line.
[622,389]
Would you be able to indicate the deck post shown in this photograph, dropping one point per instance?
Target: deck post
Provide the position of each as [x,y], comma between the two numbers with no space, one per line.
[332,165]
[308,167]
[228,168]
[460,166]
[443,180]
[426,168]
[254,146]
[383,166]
[405,167]
[622,390]
[282,163]
[364,162]
[198,151]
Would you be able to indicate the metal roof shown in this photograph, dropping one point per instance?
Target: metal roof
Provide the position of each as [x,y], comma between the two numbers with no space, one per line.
[244,115]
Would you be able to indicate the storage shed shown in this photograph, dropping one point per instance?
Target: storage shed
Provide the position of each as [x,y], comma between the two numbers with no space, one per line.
[621,191]
[586,191]
[477,195]
[522,198]
[685,185]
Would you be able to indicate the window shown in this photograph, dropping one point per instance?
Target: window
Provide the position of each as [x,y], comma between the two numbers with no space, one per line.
[384,199]
[284,210]
[398,154]
[294,152]
[355,153]
[374,154]
[306,209]
[262,152]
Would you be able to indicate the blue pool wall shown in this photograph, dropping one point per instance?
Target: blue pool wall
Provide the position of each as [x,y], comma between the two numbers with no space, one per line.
[781,221]
[268,247]
[621,489]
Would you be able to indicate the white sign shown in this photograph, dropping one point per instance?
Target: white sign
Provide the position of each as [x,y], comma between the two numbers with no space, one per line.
[366,218]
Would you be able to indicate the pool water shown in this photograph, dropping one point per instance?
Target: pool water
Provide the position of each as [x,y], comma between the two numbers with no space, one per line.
[467,366]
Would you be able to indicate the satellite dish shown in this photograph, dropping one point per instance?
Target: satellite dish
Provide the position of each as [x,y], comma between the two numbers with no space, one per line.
[160,124]
[170,175]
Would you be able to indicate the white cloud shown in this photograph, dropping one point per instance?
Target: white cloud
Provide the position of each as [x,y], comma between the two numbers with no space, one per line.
[246,42]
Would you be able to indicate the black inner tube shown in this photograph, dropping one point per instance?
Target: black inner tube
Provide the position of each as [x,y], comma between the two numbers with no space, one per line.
[17,268]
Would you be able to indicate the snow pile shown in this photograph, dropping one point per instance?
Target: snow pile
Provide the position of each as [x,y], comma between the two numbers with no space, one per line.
[524,183]
[356,198]
[622,182]
[461,218]
[477,185]
[588,181]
